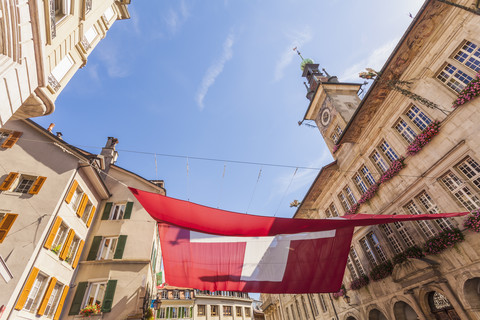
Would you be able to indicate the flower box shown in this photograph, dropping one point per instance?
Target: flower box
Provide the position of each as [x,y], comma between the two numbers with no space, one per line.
[423,138]
[473,221]
[381,271]
[91,309]
[340,293]
[443,241]
[471,91]
[393,170]
[359,283]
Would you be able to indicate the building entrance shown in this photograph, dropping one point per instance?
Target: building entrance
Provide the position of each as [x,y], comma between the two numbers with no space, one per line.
[441,307]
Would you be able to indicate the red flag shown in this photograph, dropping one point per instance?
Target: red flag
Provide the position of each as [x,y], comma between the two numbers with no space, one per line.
[216,250]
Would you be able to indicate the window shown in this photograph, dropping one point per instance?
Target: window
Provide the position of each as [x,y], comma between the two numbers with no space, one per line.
[76,198]
[461,191]
[36,293]
[304,306]
[388,151]
[404,234]
[420,119]
[4,136]
[469,55]
[379,162]
[53,300]
[87,212]
[363,179]
[62,9]
[238,311]
[247,312]
[59,239]
[313,303]
[6,223]
[337,133]
[161,313]
[227,310]
[72,250]
[405,131]
[201,310]
[95,293]
[187,294]
[331,211]
[214,311]
[347,199]
[117,212]
[429,206]
[9,138]
[173,312]
[471,170]
[107,248]
[164,294]
[454,78]
[24,184]
[356,265]
[176,294]
[392,238]
[425,226]
[373,250]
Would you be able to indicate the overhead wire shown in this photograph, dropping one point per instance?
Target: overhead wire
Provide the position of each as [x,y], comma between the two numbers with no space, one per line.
[285,193]
[254,189]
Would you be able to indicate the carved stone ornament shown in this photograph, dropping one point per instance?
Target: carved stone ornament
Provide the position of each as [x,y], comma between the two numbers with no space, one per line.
[325,117]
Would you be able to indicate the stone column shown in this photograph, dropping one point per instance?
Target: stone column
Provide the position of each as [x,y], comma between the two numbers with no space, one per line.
[453,299]
[418,309]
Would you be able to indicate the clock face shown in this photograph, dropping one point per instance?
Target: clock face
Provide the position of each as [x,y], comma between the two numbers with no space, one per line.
[325,117]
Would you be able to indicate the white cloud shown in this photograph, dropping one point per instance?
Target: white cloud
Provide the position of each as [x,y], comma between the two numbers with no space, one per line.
[175,18]
[299,39]
[112,60]
[214,70]
[375,60]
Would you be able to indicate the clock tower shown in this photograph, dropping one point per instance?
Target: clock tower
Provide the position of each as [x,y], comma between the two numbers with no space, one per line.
[332,103]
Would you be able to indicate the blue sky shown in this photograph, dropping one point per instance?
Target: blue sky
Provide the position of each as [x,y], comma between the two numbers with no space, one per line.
[219,79]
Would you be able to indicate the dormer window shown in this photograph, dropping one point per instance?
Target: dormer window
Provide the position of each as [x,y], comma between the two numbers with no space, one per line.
[337,133]
[62,9]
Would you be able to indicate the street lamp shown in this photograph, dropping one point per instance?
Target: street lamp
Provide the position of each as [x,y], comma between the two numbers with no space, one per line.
[157,304]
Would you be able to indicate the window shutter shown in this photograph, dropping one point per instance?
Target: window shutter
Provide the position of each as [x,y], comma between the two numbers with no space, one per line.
[61,303]
[12,139]
[82,206]
[92,213]
[7,183]
[106,210]
[79,253]
[66,245]
[128,210]
[120,247]
[46,296]
[53,233]
[6,224]
[78,298]
[26,289]
[37,185]
[109,294]
[71,191]
[92,254]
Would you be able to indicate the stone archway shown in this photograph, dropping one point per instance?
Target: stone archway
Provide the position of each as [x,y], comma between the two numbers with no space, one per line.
[376,314]
[403,311]
[471,290]
[441,307]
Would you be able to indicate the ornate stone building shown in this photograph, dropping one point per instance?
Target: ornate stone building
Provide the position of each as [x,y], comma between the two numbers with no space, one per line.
[402,149]
[43,44]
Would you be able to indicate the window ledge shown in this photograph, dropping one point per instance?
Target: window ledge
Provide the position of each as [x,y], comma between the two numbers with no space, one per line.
[117,261]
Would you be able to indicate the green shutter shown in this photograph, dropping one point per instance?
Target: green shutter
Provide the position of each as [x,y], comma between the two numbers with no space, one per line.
[106,210]
[92,255]
[128,210]
[158,313]
[120,247]
[109,293]
[78,298]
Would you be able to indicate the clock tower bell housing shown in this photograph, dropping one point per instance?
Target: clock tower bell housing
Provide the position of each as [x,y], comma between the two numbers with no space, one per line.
[332,103]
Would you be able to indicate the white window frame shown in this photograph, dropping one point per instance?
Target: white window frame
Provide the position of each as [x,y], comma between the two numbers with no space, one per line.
[110,248]
[405,130]
[379,162]
[76,198]
[453,77]
[53,300]
[114,213]
[427,229]
[87,212]
[30,180]
[418,117]
[460,191]
[72,250]
[36,292]
[96,287]
[387,151]
[474,54]
[392,238]
[60,238]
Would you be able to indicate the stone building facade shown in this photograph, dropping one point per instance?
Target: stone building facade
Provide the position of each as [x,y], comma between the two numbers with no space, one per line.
[43,44]
[383,166]
[185,303]
[71,233]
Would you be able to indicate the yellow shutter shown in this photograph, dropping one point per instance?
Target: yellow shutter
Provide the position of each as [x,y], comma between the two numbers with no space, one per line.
[26,289]
[46,296]
[90,218]
[37,185]
[79,253]
[71,191]
[67,244]
[6,224]
[60,304]
[53,233]
[7,183]
[12,139]
[83,204]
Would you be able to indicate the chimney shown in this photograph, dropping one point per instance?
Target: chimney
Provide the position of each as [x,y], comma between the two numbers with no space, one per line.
[50,127]
[59,135]
[109,153]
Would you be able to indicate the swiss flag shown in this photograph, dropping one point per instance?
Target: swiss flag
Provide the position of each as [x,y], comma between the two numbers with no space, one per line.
[216,250]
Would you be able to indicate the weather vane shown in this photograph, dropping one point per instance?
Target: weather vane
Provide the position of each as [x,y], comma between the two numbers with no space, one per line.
[298,52]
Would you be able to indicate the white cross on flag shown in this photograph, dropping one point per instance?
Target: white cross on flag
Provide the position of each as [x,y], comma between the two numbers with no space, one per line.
[216,250]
